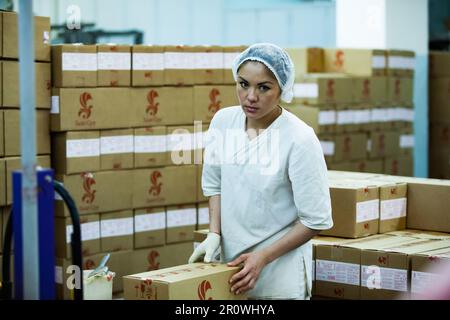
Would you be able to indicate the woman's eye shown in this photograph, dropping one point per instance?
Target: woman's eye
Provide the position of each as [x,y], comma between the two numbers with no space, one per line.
[243,84]
[263,88]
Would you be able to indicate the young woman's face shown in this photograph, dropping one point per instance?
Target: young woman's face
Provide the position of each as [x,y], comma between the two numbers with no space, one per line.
[257,89]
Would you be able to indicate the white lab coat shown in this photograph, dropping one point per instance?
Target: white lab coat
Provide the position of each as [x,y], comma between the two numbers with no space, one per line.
[266,185]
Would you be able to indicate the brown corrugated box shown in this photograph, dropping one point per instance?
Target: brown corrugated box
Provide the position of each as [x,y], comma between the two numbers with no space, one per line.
[150,187]
[369,166]
[321,118]
[181,223]
[363,62]
[1,229]
[202,215]
[352,118]
[11,39]
[181,184]
[105,191]
[200,236]
[440,99]
[116,231]
[2,134]
[400,63]
[179,65]
[399,166]
[229,54]
[113,65]
[76,152]
[200,196]
[180,145]
[147,65]
[149,227]
[400,91]
[90,109]
[383,144]
[2,183]
[306,60]
[13,164]
[150,146]
[208,64]
[1,74]
[210,99]
[116,149]
[355,209]
[12,132]
[74,65]
[328,145]
[162,106]
[350,146]
[407,141]
[420,234]
[10,84]
[371,90]
[90,235]
[198,281]
[439,65]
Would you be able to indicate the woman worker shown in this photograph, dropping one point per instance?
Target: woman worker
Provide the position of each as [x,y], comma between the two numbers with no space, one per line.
[266,179]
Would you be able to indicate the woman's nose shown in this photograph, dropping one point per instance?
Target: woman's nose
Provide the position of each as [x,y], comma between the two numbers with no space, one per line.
[251,96]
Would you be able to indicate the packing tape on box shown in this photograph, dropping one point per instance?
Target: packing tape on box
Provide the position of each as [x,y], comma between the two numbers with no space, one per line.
[150,144]
[327,117]
[376,277]
[405,114]
[344,117]
[422,281]
[54,109]
[74,61]
[203,215]
[327,147]
[80,148]
[379,115]
[181,217]
[406,141]
[89,231]
[367,210]
[228,59]
[338,272]
[378,62]
[361,116]
[179,60]
[306,90]
[150,222]
[114,60]
[116,144]
[116,227]
[208,60]
[181,141]
[404,63]
[148,61]
[392,209]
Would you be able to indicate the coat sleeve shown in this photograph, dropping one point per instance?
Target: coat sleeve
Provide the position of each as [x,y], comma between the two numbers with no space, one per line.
[211,174]
[309,178]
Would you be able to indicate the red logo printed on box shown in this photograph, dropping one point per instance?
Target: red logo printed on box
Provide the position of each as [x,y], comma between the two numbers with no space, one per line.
[155,188]
[146,290]
[339,62]
[381,142]
[85,109]
[152,263]
[362,166]
[88,182]
[397,90]
[394,167]
[330,89]
[339,292]
[89,264]
[214,104]
[347,144]
[366,89]
[202,289]
[382,260]
[152,108]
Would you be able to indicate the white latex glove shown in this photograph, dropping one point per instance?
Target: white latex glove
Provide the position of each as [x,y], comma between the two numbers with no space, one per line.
[208,247]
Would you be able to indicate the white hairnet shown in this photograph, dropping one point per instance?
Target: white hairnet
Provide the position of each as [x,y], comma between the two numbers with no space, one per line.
[274,58]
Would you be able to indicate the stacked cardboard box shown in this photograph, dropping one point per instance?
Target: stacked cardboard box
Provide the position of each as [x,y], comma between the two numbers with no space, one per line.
[439,151]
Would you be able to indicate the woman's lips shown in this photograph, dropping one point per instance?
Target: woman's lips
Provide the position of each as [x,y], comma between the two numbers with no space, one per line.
[251,109]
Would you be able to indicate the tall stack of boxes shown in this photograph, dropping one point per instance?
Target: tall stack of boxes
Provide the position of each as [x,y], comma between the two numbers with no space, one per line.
[360,104]
[439,115]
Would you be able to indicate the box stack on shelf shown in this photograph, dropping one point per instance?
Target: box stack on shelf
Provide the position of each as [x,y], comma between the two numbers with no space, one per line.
[10,150]
[125,147]
[439,115]
[360,103]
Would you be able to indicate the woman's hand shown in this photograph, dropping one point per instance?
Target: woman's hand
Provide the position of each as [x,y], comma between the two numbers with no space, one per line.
[246,279]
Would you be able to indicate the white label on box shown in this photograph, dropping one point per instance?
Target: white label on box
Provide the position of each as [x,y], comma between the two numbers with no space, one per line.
[73,61]
[209,60]
[116,227]
[367,210]
[405,114]
[306,90]
[80,148]
[421,282]
[407,141]
[203,215]
[327,147]
[179,60]
[361,116]
[378,62]
[148,61]
[327,117]
[58,275]
[45,37]
[150,222]
[116,144]
[89,231]
[114,60]
[384,278]
[379,115]
[392,209]
[404,63]
[338,272]
[182,141]
[392,114]
[369,145]
[181,217]
[150,144]
[55,105]
[344,117]
[228,59]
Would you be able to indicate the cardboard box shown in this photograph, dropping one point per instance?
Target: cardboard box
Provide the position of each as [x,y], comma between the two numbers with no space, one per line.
[352,118]
[116,149]
[370,90]
[90,109]
[328,143]
[229,54]
[202,216]
[179,62]
[208,64]
[200,196]
[150,147]
[401,63]
[407,142]
[369,166]
[439,65]
[350,147]
[1,74]
[400,91]
[90,235]
[316,88]
[105,191]
[12,132]
[113,65]
[420,234]
[181,223]
[200,236]
[13,164]
[74,65]
[440,100]
[11,88]
[150,187]
[198,281]
[181,184]
[76,152]
[181,143]
[162,106]
[306,60]
[383,144]
[355,209]
[210,99]
[399,166]
[11,37]
[147,65]
[149,227]
[321,118]
[360,62]
[116,231]
[2,134]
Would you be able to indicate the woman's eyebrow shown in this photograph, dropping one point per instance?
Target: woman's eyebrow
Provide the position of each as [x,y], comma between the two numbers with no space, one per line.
[261,83]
